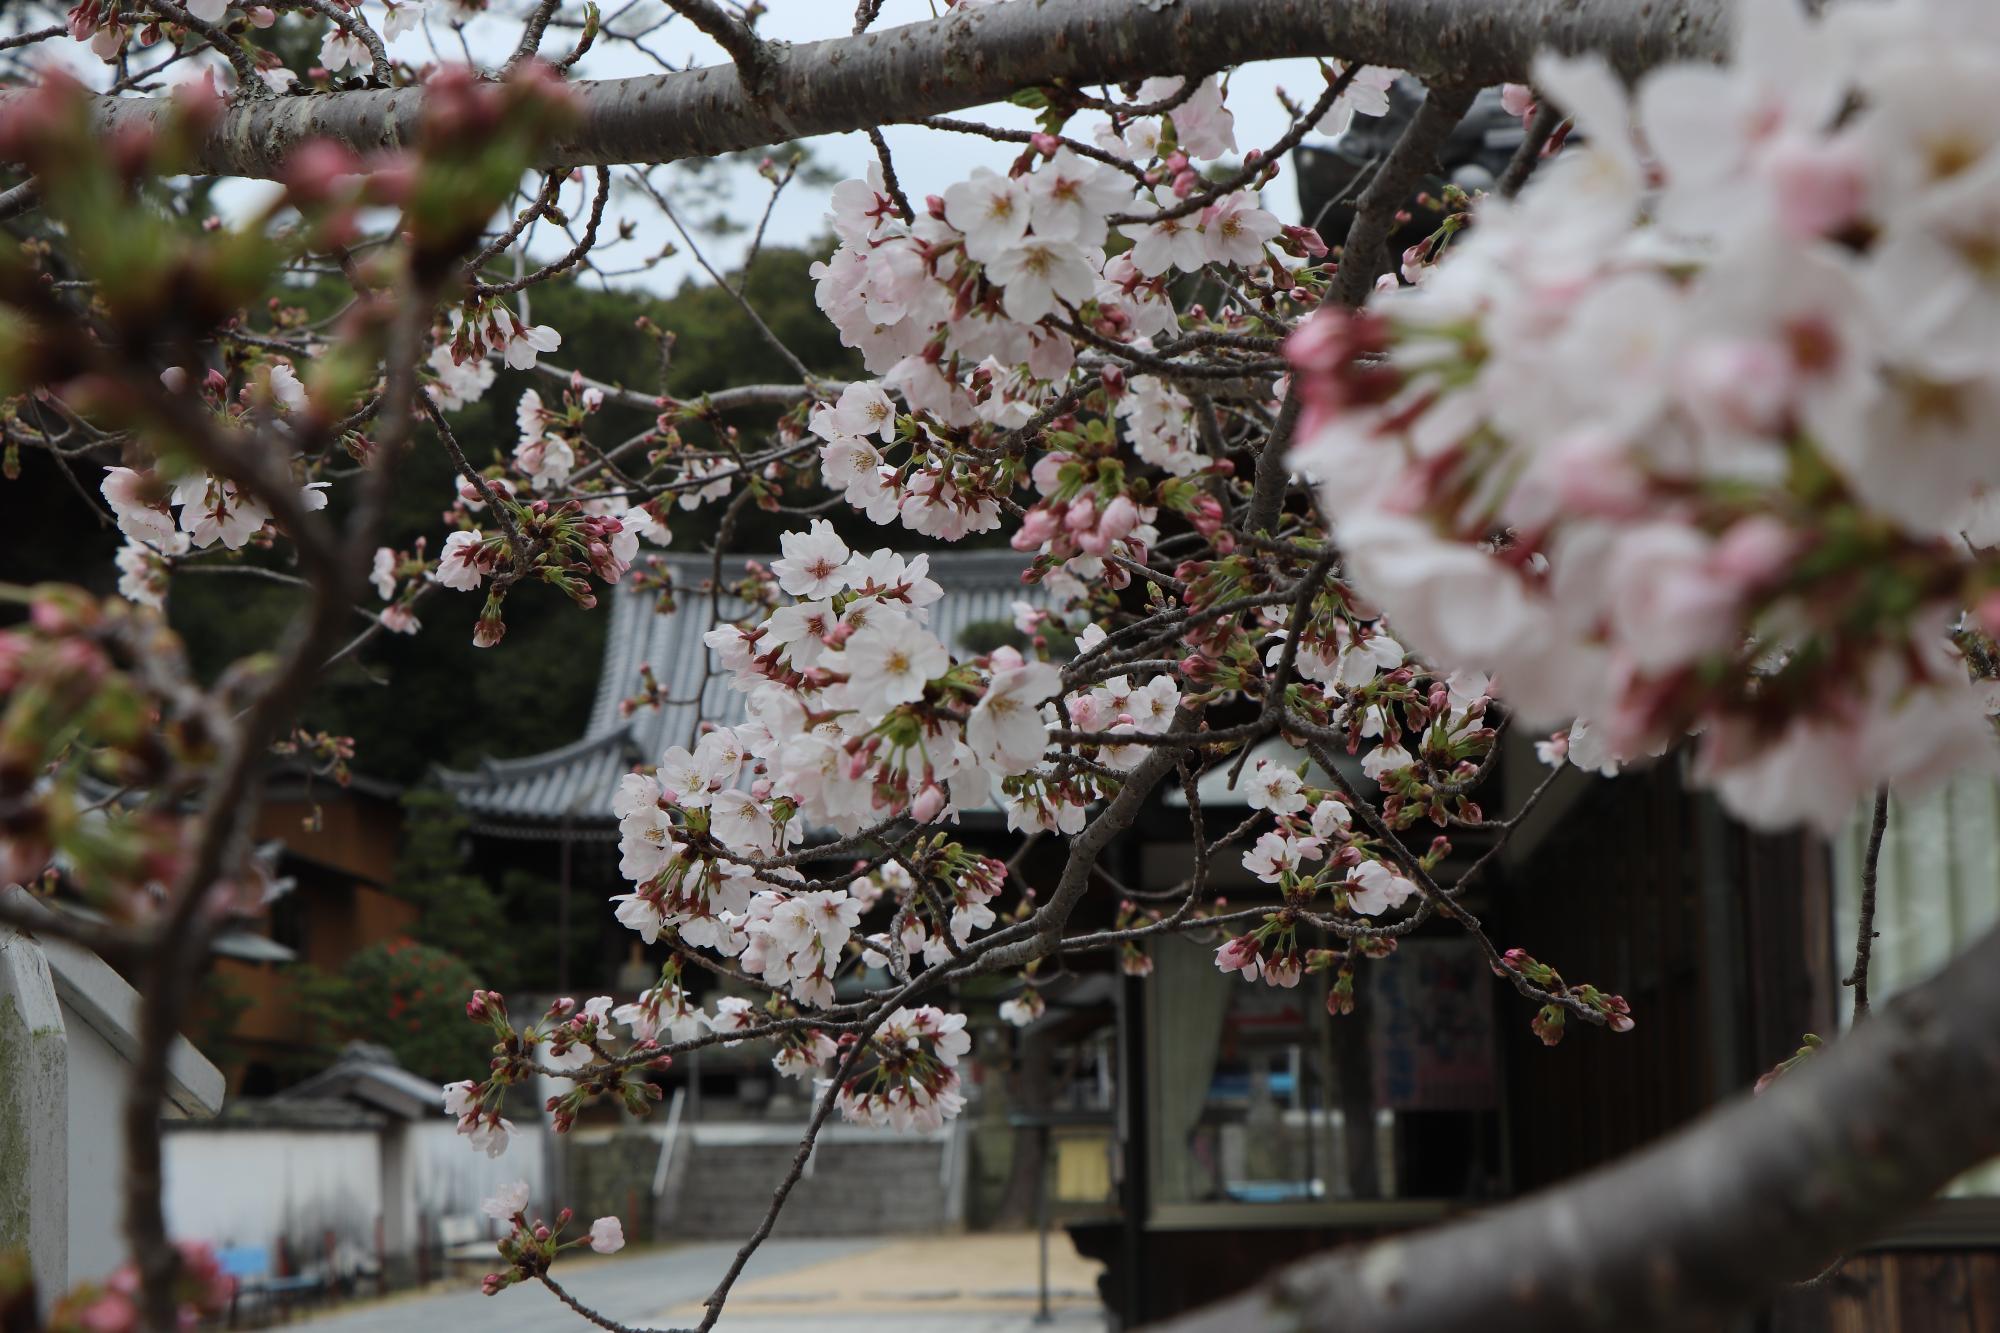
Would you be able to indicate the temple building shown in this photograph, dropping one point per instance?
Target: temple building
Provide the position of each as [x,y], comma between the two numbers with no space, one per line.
[1193,1130]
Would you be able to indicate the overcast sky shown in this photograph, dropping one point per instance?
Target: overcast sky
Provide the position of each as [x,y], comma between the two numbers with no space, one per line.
[926,160]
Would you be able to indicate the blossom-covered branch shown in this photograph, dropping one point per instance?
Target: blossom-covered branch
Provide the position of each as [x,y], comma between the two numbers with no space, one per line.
[973,55]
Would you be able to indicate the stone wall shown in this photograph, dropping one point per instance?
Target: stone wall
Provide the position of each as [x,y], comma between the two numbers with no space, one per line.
[613,1177]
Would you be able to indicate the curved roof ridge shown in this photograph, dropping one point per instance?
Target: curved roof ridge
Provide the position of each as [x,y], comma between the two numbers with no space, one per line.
[520,766]
[577,779]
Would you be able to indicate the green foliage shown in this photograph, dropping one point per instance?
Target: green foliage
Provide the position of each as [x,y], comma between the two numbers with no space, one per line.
[401,994]
[223,1005]
[457,906]
[983,636]
[453,907]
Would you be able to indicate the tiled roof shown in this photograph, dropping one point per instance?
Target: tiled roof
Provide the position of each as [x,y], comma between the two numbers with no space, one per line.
[572,785]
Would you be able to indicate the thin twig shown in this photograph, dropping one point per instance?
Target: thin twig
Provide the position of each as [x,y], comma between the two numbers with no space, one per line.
[1864,935]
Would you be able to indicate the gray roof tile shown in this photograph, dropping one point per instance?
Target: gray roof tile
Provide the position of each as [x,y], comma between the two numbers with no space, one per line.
[572,784]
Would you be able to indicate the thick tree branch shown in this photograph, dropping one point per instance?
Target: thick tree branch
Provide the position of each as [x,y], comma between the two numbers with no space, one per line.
[1365,255]
[973,56]
[752,54]
[1754,1195]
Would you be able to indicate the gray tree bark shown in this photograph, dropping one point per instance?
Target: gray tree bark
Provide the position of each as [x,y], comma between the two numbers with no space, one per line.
[1761,1192]
[978,55]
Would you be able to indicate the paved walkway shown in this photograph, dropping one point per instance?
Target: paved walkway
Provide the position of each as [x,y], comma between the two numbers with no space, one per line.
[928,1284]
[984,1282]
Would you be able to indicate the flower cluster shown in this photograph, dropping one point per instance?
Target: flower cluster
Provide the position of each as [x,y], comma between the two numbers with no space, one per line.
[1671,444]
[573,1043]
[911,1081]
[965,312]
[1314,849]
[1551,1018]
[529,1247]
[104,680]
[849,724]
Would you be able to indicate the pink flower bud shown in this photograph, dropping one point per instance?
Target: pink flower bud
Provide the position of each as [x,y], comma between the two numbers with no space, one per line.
[1120,517]
[1754,552]
[1037,527]
[1737,384]
[312,173]
[1308,240]
[1822,183]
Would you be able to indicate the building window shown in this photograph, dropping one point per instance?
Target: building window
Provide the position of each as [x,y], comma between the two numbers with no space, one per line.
[1259,1096]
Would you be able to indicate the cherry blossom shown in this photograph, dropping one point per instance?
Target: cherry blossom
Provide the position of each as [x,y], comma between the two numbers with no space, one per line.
[1023,1009]
[813,561]
[1274,787]
[461,564]
[1373,888]
[1070,198]
[139,503]
[888,665]
[1006,730]
[1366,94]
[1168,244]
[507,1202]
[1234,230]
[341,48]
[213,511]
[991,211]
[607,1235]
[1678,449]
[862,410]
[1037,273]
[1203,125]
[1755,320]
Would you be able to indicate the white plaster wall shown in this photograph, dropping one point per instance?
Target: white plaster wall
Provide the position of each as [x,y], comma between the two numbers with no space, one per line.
[34,1081]
[97,1075]
[449,1177]
[257,1186]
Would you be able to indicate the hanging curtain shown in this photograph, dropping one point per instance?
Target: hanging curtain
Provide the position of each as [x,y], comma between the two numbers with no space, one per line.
[1937,889]
[1189,1001]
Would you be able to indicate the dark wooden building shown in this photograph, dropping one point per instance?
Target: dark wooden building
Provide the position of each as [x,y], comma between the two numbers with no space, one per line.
[1255,1128]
